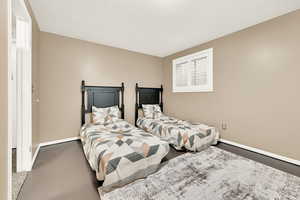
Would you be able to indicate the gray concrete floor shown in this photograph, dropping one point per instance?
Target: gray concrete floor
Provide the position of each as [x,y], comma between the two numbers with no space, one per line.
[61,172]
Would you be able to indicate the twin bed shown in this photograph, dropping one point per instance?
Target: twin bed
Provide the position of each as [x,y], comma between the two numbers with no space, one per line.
[117,151]
[182,135]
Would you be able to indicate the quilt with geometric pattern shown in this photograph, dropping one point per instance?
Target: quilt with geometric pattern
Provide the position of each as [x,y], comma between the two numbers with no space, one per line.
[120,153]
[179,133]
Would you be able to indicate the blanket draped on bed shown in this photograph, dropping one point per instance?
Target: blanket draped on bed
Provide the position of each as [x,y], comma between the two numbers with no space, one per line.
[212,174]
[180,134]
[121,153]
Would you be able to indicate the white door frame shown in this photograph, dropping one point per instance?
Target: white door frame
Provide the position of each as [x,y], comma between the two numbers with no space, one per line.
[24,107]
[9,135]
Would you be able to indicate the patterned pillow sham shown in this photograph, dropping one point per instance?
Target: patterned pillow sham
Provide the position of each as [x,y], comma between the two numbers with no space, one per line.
[105,115]
[152,111]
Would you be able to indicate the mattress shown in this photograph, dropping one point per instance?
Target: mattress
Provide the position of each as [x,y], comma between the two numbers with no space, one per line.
[120,153]
[179,133]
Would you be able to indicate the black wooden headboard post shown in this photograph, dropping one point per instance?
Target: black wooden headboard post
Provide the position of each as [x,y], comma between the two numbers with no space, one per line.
[122,102]
[101,97]
[136,103]
[82,103]
[147,96]
[161,99]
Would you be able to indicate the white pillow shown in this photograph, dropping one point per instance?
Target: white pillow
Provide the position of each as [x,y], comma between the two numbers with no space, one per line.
[152,111]
[105,115]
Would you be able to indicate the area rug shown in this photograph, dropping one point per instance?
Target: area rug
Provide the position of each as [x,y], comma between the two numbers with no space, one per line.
[213,174]
[17,178]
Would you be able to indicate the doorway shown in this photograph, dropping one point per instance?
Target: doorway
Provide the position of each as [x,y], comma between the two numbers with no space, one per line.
[20,97]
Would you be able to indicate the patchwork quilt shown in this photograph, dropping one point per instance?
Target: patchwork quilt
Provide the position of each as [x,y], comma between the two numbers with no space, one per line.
[180,134]
[121,153]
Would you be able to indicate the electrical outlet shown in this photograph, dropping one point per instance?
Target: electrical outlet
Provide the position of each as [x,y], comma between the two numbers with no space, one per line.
[224,125]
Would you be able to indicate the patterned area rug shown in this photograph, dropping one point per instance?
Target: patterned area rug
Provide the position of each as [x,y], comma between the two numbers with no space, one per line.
[213,174]
[17,178]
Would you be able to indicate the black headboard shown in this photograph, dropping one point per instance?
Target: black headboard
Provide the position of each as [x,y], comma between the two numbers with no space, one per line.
[101,97]
[147,96]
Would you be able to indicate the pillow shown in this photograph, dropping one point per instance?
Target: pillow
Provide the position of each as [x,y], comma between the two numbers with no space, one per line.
[140,113]
[152,111]
[105,115]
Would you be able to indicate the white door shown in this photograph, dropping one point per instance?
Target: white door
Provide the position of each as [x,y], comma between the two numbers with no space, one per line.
[13,79]
[23,84]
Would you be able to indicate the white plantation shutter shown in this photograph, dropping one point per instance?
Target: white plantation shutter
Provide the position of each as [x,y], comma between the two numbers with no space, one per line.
[182,74]
[194,73]
[199,71]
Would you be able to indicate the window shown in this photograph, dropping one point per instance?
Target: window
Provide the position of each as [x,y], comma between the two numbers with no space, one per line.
[194,73]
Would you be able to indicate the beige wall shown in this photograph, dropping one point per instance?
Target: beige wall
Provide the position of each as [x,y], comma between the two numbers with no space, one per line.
[256,87]
[35,80]
[3,98]
[65,62]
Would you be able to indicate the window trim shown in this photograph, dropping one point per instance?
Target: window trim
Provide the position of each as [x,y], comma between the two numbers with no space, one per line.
[188,58]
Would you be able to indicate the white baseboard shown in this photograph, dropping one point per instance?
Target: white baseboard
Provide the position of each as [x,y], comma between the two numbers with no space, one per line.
[51,143]
[269,154]
[59,141]
[35,155]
